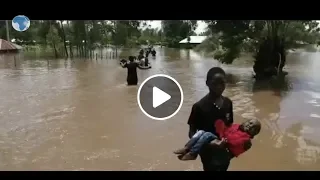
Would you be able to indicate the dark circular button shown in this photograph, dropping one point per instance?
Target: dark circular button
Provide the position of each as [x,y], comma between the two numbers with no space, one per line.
[160,97]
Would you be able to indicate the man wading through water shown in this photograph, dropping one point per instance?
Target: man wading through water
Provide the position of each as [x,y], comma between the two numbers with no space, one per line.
[132,77]
[203,116]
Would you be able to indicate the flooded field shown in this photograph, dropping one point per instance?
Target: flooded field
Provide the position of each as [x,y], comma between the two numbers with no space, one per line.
[81,115]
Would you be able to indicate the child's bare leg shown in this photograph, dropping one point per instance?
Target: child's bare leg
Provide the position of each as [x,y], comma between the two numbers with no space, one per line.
[181,151]
[205,138]
[190,143]
[191,156]
[180,156]
[188,156]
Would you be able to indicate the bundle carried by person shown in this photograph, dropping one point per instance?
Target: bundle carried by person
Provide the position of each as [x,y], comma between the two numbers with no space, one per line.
[123,61]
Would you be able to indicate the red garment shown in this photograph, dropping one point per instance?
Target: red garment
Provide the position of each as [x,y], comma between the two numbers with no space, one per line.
[235,137]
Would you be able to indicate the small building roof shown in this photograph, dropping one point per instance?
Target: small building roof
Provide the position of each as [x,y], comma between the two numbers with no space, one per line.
[194,40]
[17,46]
[7,46]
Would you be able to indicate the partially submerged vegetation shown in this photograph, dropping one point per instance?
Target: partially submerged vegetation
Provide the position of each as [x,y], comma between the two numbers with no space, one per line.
[267,41]
[80,37]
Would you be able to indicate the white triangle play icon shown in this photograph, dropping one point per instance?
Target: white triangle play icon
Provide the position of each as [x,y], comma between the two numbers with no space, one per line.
[159,97]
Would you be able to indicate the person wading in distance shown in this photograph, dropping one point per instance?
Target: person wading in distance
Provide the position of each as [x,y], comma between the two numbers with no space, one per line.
[132,77]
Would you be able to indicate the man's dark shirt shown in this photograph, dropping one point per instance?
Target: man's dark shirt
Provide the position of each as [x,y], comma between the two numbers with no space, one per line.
[203,117]
[132,77]
[204,114]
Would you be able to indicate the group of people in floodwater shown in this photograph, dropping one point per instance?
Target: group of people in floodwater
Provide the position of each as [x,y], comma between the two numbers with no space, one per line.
[142,62]
[212,131]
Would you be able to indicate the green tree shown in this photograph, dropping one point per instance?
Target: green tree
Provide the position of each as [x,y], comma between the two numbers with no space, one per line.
[149,34]
[83,36]
[120,34]
[267,40]
[176,30]
[63,34]
[53,39]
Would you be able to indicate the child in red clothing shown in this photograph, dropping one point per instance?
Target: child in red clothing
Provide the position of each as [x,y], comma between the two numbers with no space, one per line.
[235,138]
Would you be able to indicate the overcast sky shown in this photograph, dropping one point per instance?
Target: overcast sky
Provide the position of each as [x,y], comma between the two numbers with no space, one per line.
[201,26]
[157,24]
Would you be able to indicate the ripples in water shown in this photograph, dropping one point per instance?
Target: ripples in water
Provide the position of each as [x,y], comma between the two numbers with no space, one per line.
[82,115]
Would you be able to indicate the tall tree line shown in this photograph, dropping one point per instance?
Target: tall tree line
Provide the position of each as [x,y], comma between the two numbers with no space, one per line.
[65,37]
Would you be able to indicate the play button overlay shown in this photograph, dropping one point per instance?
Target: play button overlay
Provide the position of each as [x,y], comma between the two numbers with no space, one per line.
[160,97]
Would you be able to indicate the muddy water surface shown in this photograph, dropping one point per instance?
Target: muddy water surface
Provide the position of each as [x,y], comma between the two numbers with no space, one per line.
[82,116]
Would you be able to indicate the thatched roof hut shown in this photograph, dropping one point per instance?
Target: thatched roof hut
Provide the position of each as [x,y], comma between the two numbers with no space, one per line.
[6,46]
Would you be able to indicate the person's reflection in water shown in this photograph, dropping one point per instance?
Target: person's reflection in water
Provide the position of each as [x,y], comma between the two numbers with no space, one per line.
[132,77]
[275,84]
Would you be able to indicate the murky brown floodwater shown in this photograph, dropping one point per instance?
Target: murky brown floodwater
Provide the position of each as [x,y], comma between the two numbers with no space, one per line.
[82,116]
